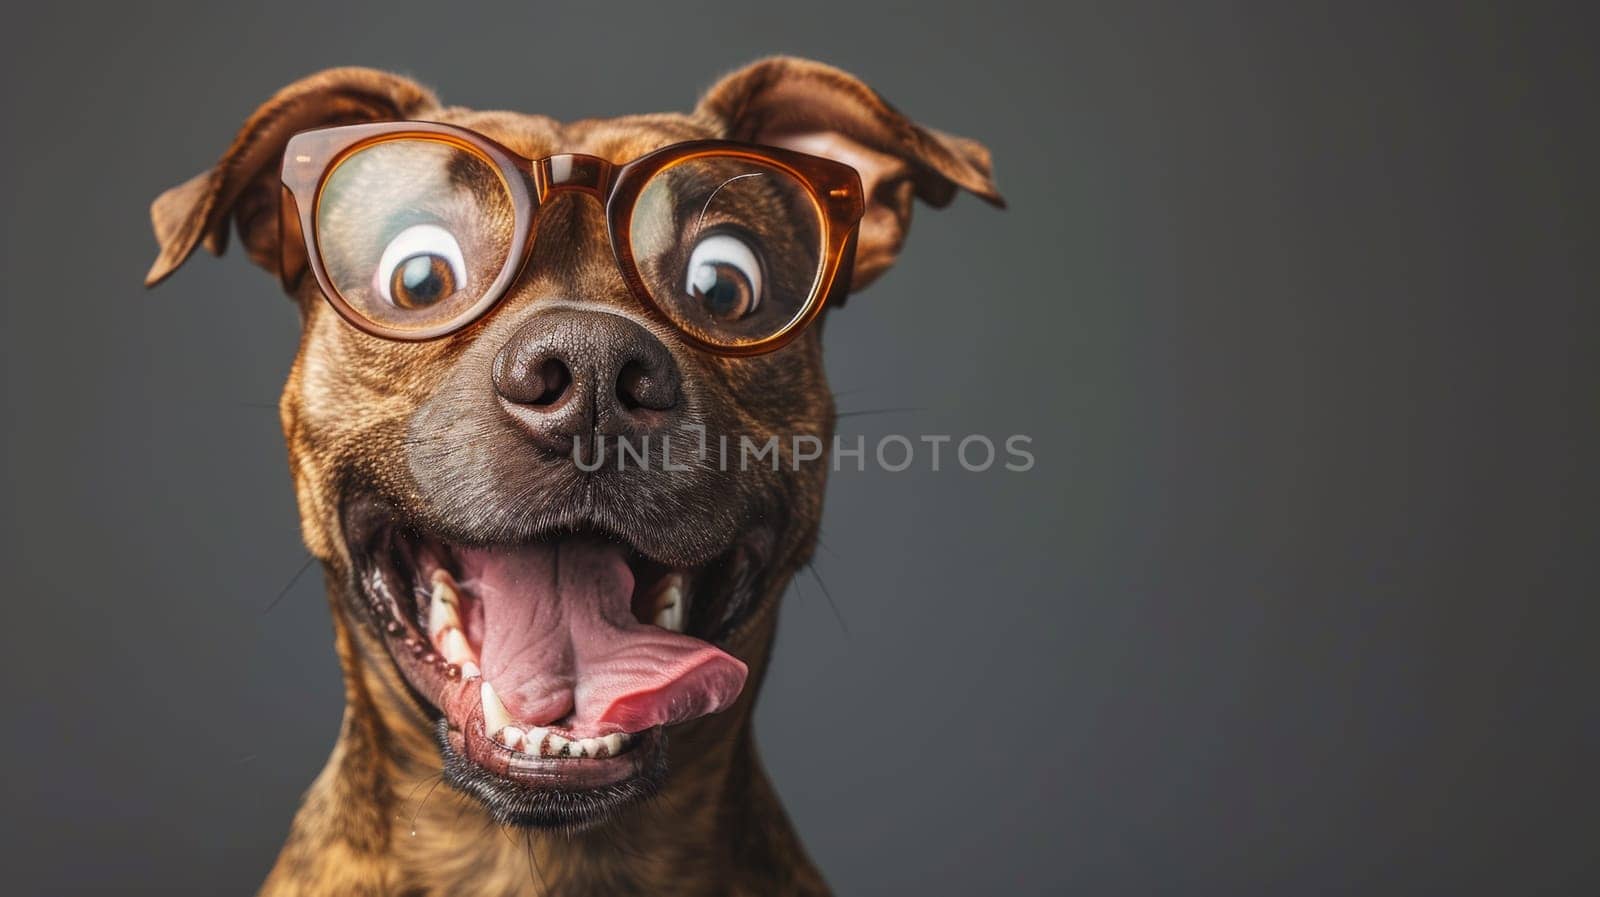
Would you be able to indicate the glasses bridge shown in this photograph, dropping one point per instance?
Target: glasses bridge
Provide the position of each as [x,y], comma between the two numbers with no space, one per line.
[572,171]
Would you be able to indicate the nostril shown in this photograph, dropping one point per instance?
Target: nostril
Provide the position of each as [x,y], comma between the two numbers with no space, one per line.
[641,387]
[629,382]
[532,375]
[555,378]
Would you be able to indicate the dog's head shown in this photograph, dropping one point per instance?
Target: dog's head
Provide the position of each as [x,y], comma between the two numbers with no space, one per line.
[547,622]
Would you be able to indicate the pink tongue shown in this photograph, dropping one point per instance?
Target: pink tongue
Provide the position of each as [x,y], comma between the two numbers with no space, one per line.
[560,643]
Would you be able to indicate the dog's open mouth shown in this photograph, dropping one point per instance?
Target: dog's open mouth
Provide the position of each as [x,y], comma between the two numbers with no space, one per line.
[553,665]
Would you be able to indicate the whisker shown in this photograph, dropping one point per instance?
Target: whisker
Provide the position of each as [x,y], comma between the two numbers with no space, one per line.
[871,411]
[461,810]
[700,222]
[437,781]
[810,565]
[534,872]
[292,580]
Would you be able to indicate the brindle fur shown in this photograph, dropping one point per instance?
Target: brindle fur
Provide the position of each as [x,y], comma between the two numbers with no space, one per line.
[360,413]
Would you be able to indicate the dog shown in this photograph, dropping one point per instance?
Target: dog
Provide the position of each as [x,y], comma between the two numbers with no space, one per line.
[546,637]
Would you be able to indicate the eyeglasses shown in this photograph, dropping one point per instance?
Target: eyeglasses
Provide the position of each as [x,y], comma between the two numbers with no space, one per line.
[416,229]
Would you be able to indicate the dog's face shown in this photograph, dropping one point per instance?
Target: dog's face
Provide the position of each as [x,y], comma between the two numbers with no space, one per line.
[554,625]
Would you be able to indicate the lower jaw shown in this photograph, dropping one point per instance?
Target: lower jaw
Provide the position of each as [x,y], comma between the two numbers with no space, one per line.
[550,793]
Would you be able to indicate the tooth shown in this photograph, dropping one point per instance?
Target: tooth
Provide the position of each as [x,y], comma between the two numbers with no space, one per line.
[495,714]
[670,617]
[613,743]
[533,739]
[510,736]
[442,612]
[669,604]
[442,578]
[469,670]
[554,746]
[453,645]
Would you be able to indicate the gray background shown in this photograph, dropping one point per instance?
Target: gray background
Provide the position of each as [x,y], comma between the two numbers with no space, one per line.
[1297,307]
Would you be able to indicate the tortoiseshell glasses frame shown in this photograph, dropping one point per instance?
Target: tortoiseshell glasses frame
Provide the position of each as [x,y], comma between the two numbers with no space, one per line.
[834,190]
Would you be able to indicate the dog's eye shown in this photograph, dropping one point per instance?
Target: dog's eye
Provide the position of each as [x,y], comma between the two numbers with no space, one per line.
[420,267]
[725,276]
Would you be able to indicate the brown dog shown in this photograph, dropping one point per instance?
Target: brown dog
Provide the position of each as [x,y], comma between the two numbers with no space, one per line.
[613,612]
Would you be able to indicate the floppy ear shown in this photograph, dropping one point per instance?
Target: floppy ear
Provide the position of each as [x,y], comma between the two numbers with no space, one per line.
[244,185]
[818,109]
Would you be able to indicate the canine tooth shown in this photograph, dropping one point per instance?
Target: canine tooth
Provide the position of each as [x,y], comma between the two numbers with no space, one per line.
[469,670]
[495,714]
[613,743]
[442,578]
[453,645]
[511,737]
[442,613]
[669,604]
[554,746]
[670,617]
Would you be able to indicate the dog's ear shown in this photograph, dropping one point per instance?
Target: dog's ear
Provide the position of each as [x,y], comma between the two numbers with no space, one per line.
[818,109]
[244,186]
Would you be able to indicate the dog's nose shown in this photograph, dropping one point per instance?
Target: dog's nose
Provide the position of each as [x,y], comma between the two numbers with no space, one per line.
[567,373]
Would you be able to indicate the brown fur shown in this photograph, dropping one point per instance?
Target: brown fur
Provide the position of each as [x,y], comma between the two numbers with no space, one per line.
[377,821]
